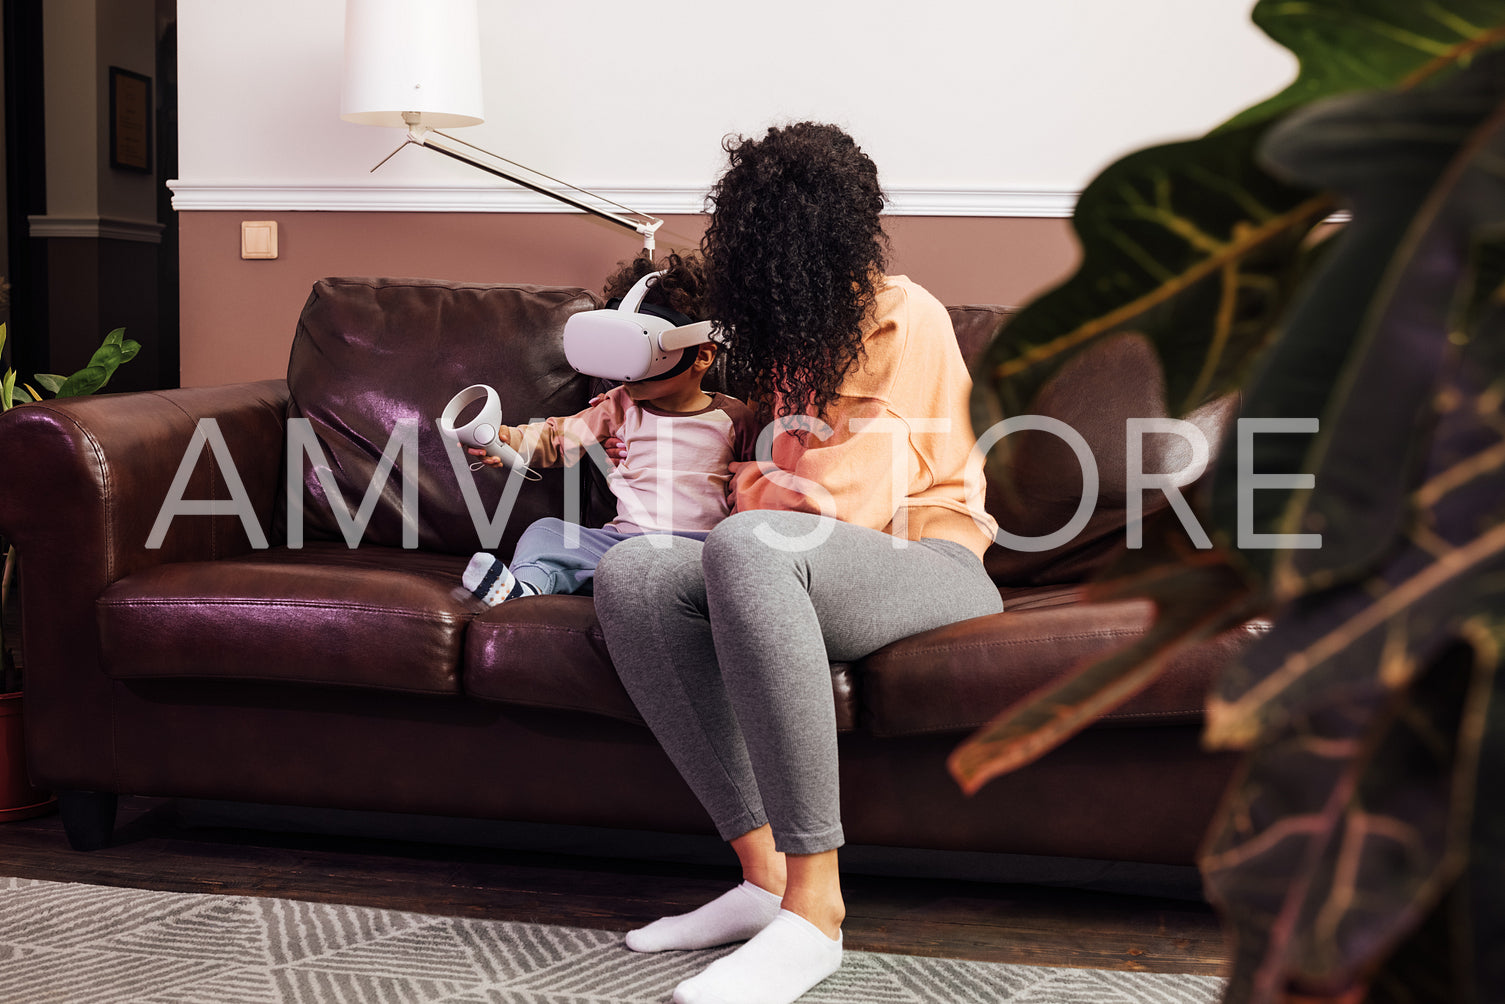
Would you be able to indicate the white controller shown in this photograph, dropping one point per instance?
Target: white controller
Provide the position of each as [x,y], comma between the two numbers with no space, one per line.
[484,431]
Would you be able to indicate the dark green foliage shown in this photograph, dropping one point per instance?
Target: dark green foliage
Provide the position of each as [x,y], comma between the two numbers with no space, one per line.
[1360,850]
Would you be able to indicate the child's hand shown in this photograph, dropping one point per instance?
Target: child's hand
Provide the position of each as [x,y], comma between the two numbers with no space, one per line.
[486,458]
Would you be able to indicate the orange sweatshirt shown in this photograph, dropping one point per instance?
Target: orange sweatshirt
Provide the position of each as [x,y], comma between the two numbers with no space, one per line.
[897,453]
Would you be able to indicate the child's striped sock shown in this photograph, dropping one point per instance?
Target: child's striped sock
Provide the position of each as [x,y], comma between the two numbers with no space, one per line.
[490,580]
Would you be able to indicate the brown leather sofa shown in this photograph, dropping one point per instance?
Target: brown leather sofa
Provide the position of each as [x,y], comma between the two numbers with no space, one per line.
[366,678]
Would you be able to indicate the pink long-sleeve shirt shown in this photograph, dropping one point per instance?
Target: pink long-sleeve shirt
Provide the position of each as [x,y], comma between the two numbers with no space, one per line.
[677,469]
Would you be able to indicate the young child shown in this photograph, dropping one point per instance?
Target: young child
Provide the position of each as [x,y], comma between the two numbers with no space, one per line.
[679,442]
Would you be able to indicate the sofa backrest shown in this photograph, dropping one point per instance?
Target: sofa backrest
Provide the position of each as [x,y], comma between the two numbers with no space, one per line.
[1096,394]
[370,353]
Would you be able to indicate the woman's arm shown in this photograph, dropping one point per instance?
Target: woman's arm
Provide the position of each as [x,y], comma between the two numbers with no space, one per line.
[858,469]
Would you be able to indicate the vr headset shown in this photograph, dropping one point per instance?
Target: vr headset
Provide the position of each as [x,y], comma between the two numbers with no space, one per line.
[631,340]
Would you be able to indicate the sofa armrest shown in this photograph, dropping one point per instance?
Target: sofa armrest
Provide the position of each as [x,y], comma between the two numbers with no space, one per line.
[95,471]
[81,484]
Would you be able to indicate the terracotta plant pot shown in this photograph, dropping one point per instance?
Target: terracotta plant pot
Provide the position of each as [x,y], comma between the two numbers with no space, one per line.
[18,799]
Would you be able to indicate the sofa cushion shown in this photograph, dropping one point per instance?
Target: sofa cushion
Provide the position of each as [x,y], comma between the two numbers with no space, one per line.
[958,678]
[379,618]
[372,353]
[1040,485]
[547,652]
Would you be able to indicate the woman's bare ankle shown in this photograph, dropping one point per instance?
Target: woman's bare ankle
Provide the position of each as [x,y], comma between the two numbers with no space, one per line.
[814,891]
[772,876]
[825,913]
[762,864]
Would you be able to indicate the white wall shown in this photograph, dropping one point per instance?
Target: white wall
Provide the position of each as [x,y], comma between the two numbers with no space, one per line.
[982,109]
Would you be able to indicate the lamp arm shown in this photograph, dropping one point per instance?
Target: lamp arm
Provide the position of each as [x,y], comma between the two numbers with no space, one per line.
[423,137]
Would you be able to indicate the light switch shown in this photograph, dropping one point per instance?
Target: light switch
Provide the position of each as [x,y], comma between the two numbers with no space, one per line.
[258,238]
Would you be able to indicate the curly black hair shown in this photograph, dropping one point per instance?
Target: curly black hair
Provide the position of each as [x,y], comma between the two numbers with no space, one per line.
[794,253]
[681,287]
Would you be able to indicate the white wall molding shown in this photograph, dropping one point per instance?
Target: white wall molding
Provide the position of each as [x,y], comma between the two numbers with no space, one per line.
[239,197]
[95,227]
[1029,203]
[190,196]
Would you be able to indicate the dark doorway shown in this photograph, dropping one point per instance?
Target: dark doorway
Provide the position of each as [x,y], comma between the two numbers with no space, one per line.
[25,186]
[167,157]
[67,289]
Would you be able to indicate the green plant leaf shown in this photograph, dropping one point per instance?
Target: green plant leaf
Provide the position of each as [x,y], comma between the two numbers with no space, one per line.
[1421,967]
[1347,46]
[7,390]
[1481,888]
[1411,466]
[1454,955]
[1343,834]
[51,382]
[1363,347]
[112,352]
[1191,245]
[1486,290]
[128,346]
[86,381]
[1368,771]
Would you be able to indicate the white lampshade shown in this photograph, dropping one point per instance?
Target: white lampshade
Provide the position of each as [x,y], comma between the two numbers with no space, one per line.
[412,56]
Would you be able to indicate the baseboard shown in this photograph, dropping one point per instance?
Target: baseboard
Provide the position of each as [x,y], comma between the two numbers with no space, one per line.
[1125,877]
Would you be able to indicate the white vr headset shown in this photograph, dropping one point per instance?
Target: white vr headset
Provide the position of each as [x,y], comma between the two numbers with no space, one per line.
[633,340]
[628,342]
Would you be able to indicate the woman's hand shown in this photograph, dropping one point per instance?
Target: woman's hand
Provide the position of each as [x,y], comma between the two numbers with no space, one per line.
[616,450]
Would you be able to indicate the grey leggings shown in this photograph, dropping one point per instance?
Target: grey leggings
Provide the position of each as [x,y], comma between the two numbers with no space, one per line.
[725,647]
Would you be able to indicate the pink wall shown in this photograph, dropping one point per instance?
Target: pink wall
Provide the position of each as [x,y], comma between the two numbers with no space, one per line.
[238,316]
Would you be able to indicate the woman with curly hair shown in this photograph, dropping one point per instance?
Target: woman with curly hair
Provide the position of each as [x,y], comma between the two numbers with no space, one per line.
[860,522]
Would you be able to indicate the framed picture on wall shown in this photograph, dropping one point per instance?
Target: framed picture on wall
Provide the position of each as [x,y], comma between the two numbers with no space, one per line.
[130,120]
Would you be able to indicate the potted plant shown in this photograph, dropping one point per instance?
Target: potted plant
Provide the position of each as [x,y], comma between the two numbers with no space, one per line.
[1358,853]
[18,799]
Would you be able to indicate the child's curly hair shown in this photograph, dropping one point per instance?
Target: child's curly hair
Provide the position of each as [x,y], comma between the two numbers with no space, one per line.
[794,253]
[681,287]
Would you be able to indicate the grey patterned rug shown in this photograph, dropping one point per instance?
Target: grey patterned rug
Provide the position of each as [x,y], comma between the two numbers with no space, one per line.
[84,944]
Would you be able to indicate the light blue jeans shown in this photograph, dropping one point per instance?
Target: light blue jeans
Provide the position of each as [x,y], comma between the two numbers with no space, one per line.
[545,559]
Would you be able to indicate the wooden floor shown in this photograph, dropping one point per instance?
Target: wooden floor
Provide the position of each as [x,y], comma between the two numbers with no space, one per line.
[1033,925]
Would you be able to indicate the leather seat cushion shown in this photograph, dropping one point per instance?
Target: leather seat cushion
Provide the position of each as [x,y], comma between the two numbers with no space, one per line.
[960,677]
[374,617]
[548,652]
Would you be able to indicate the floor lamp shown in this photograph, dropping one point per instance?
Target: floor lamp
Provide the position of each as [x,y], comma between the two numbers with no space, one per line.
[416,65]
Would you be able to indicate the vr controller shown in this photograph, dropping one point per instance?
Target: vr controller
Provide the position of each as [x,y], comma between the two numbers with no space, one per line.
[483,431]
[633,341]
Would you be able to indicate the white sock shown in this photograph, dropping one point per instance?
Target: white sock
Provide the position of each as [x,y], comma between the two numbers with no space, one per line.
[490,580]
[733,916]
[784,960]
